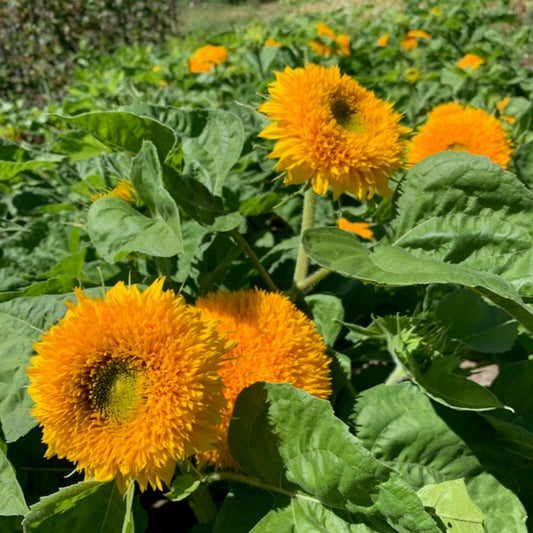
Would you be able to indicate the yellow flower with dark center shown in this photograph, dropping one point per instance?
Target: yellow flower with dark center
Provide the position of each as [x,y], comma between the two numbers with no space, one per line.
[412,74]
[454,127]
[124,386]
[472,61]
[362,229]
[124,189]
[276,343]
[332,131]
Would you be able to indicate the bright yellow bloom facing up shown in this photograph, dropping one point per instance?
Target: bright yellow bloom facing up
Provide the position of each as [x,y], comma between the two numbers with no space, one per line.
[124,386]
[472,61]
[362,229]
[332,131]
[276,343]
[454,127]
[206,57]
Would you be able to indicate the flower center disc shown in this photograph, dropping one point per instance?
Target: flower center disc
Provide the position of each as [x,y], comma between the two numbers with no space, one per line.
[114,390]
[345,116]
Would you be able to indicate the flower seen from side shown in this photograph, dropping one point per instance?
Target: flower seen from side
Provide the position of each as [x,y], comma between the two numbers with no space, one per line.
[206,57]
[125,385]
[452,126]
[332,131]
[276,342]
[123,189]
[362,229]
[472,61]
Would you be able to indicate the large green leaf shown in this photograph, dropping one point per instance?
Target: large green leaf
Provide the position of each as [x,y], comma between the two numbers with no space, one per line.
[212,139]
[293,442]
[453,505]
[459,218]
[401,427]
[391,265]
[122,130]
[116,228]
[87,506]
[328,314]
[12,502]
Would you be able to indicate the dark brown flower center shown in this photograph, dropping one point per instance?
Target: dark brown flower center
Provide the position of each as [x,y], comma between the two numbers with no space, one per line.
[344,115]
[114,389]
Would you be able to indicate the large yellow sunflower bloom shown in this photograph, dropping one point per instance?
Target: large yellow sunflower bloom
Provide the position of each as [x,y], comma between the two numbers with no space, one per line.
[454,127]
[276,343]
[332,131]
[123,386]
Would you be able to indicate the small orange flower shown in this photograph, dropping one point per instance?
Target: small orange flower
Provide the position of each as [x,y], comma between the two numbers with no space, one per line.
[343,40]
[408,43]
[206,57]
[324,29]
[272,43]
[418,34]
[359,228]
[410,40]
[472,61]
[383,40]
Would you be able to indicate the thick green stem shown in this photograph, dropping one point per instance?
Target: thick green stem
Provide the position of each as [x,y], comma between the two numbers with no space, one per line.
[313,279]
[308,219]
[255,260]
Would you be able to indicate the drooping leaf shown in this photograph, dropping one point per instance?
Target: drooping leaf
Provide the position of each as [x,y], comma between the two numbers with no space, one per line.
[477,324]
[116,229]
[87,506]
[212,139]
[78,145]
[401,427]
[328,313]
[122,130]
[293,442]
[392,266]
[183,485]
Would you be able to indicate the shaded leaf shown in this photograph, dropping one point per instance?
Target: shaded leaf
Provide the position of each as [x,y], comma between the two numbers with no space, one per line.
[13,502]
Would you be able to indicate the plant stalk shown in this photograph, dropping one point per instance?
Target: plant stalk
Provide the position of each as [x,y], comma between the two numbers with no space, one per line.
[308,219]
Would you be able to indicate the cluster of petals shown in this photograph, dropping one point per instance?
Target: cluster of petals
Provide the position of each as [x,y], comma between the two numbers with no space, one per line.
[332,131]
[452,126]
[336,43]
[206,57]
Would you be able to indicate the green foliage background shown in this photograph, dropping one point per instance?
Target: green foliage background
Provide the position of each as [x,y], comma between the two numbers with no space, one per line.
[408,441]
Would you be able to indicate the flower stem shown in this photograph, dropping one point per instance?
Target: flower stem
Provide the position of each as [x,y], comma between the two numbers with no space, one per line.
[255,260]
[313,279]
[308,219]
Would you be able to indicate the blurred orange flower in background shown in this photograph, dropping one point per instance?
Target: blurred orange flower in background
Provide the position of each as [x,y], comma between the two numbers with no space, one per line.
[410,40]
[470,61]
[206,57]
[383,40]
[359,228]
